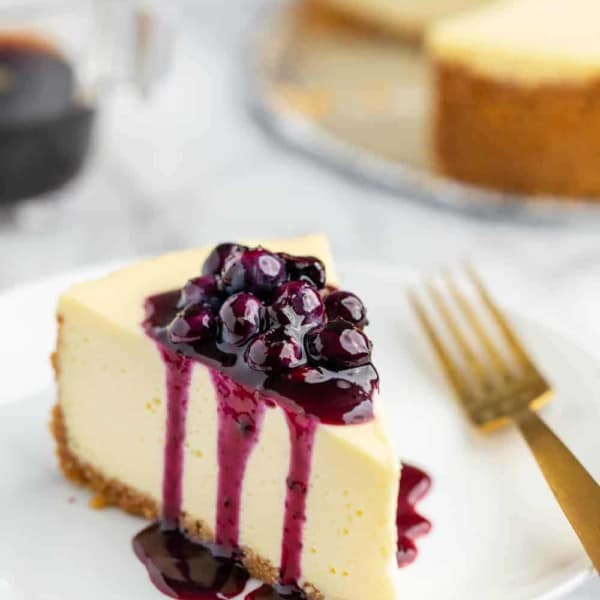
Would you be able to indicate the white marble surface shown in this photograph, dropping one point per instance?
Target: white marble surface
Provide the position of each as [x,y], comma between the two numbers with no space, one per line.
[189,166]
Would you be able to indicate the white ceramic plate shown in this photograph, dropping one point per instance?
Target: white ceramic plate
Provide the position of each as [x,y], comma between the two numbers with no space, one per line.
[498,534]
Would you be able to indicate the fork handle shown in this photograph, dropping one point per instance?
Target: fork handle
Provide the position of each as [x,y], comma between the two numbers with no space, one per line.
[574,488]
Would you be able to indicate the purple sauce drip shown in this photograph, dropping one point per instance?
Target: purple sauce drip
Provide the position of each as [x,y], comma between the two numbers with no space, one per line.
[178,371]
[241,413]
[414,485]
[302,436]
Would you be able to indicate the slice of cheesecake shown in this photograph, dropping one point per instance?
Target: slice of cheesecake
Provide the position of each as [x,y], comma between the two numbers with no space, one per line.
[240,407]
[516,96]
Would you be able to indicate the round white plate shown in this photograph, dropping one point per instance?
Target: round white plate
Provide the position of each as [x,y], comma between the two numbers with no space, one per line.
[498,534]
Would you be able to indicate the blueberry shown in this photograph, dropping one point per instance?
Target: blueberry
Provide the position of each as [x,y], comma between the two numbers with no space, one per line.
[242,316]
[339,344]
[215,262]
[347,306]
[298,303]
[195,323]
[255,270]
[201,290]
[233,274]
[305,268]
[274,350]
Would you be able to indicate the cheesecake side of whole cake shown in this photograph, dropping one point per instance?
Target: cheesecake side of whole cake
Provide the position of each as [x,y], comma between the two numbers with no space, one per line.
[516,88]
[110,427]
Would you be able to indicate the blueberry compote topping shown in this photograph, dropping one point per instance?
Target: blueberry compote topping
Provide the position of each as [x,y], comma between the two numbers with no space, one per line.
[259,317]
[272,335]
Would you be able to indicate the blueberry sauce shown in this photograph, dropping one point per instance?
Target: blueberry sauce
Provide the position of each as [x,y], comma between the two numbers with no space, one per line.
[302,436]
[414,485]
[260,322]
[181,568]
[178,371]
[241,413]
[349,390]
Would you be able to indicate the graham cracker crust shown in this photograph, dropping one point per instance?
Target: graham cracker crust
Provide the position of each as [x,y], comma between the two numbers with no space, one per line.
[532,139]
[111,492]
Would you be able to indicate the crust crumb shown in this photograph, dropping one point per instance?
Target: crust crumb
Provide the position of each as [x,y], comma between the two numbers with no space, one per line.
[98,502]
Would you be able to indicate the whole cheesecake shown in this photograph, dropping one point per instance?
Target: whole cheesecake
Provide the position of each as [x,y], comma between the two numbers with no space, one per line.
[230,393]
[516,96]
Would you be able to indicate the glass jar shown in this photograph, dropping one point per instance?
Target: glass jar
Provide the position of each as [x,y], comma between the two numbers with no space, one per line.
[57,58]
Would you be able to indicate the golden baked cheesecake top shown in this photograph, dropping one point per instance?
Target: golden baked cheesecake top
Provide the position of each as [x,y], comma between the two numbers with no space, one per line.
[526,41]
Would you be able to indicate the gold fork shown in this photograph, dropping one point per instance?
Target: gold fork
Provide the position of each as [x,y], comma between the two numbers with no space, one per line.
[497,388]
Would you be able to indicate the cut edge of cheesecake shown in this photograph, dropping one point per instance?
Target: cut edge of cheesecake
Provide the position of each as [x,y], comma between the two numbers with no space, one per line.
[93,300]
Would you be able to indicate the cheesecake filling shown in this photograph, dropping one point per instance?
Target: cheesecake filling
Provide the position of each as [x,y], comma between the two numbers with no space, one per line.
[273,337]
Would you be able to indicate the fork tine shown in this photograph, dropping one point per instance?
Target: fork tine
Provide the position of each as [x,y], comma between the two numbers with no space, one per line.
[473,361]
[475,322]
[451,368]
[501,321]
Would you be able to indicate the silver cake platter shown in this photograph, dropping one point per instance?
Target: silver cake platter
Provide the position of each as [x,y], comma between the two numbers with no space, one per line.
[359,102]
